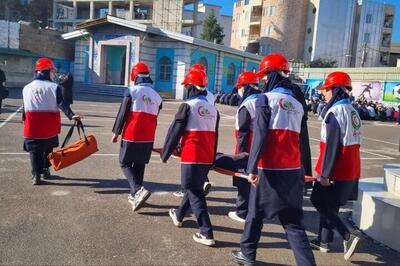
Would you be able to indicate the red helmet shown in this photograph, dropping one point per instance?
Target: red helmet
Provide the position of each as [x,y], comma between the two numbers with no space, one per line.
[44,63]
[195,77]
[200,67]
[337,79]
[247,77]
[139,68]
[273,62]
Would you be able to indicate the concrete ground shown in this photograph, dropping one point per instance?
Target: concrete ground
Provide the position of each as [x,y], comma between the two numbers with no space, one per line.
[82,215]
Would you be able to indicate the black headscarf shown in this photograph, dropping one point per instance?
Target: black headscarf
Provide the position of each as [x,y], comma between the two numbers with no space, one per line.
[43,75]
[248,90]
[190,91]
[338,94]
[141,80]
[276,80]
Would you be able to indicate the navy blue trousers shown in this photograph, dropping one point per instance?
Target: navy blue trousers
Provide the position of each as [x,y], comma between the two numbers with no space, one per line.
[39,161]
[289,214]
[242,200]
[195,199]
[134,172]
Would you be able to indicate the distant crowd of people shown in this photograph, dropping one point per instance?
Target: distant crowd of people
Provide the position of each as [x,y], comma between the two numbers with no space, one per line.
[367,110]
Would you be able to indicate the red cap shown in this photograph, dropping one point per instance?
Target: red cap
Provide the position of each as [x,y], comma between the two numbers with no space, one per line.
[247,77]
[139,68]
[337,79]
[273,62]
[195,77]
[44,63]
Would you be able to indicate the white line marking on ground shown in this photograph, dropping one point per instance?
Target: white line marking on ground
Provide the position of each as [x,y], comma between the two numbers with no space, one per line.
[382,141]
[364,151]
[10,117]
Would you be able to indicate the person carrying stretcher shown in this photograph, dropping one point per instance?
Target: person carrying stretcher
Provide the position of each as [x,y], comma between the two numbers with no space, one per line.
[248,90]
[196,128]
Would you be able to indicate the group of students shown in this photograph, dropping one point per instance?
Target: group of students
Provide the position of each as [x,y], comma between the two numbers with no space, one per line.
[270,131]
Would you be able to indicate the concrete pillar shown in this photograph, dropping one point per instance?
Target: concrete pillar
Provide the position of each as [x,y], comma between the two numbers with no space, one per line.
[195,18]
[131,15]
[91,10]
[75,12]
[110,8]
[54,13]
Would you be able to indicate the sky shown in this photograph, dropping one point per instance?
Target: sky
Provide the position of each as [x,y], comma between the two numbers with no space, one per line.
[227,7]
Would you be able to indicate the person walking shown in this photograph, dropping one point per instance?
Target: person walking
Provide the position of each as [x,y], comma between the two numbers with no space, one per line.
[42,100]
[136,122]
[196,128]
[247,87]
[339,165]
[275,167]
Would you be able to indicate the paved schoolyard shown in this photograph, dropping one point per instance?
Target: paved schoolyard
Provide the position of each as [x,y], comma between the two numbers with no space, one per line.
[82,215]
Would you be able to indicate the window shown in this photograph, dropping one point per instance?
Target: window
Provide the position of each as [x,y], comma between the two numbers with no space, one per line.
[366,37]
[268,30]
[266,49]
[243,33]
[268,11]
[309,30]
[165,69]
[368,19]
[231,74]
[246,2]
[314,10]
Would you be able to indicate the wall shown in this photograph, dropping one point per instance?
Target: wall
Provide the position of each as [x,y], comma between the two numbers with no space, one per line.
[18,70]
[238,64]
[81,61]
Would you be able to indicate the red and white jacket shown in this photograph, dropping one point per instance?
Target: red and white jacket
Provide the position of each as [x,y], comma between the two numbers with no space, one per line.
[42,116]
[198,141]
[347,165]
[282,150]
[250,104]
[141,123]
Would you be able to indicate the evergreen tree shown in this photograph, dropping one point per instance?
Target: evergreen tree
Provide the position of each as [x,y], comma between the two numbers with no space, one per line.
[212,31]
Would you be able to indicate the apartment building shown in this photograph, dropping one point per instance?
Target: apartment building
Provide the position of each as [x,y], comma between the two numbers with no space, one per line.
[265,26]
[203,11]
[166,14]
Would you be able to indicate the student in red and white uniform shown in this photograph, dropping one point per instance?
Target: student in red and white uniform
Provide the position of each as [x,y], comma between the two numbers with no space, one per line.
[275,168]
[247,87]
[195,127]
[210,96]
[41,117]
[338,165]
[136,122]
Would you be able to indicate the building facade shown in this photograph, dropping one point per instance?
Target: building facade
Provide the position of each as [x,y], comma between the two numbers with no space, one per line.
[107,48]
[166,14]
[265,26]
[204,10]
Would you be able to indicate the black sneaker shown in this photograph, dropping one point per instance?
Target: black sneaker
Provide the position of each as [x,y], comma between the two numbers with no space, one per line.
[206,188]
[318,245]
[46,173]
[239,258]
[349,246]
[35,179]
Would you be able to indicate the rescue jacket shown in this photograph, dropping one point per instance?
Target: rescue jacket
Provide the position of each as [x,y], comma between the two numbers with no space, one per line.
[42,116]
[347,164]
[141,122]
[282,149]
[250,105]
[199,137]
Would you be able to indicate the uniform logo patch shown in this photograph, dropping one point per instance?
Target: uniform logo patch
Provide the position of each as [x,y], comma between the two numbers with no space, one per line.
[37,93]
[287,105]
[355,120]
[147,100]
[204,112]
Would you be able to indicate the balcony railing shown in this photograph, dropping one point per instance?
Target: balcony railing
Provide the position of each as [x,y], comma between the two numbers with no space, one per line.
[255,19]
[254,37]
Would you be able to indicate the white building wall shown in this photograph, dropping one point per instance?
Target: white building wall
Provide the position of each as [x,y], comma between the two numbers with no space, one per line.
[333,28]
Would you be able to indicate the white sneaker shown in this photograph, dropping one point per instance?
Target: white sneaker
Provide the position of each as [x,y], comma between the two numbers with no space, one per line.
[199,238]
[174,218]
[139,198]
[235,217]
[349,246]
[178,194]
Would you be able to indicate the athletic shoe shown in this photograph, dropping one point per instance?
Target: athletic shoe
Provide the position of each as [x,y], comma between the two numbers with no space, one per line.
[235,217]
[172,214]
[35,180]
[349,246]
[206,188]
[179,194]
[318,245]
[46,173]
[199,238]
[139,198]
[239,258]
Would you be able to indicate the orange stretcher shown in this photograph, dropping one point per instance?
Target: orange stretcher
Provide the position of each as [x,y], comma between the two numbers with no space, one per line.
[227,172]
